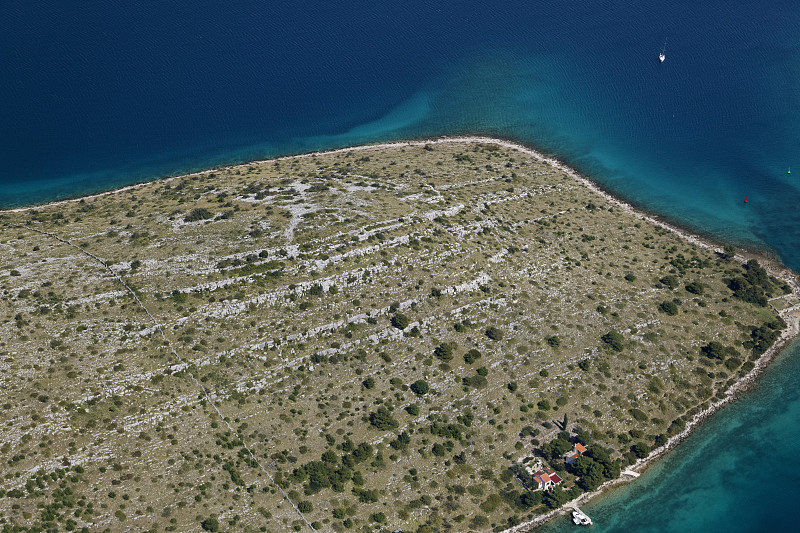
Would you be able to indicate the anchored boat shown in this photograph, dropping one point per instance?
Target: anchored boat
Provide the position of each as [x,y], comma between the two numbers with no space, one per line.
[580,519]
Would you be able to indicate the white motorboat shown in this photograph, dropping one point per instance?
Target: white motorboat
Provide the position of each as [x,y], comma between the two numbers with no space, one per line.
[580,519]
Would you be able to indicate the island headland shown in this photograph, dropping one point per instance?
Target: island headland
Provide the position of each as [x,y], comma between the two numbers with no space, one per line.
[418,336]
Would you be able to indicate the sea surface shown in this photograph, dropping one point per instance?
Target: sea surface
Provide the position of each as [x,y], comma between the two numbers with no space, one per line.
[98,94]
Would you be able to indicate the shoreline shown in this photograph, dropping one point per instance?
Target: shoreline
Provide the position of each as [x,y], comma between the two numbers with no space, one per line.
[708,241]
[772,264]
[792,317]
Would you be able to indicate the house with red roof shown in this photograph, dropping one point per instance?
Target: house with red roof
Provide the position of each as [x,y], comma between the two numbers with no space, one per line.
[577,450]
[546,479]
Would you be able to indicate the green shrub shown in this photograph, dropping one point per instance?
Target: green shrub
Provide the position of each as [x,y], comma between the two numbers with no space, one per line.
[477,381]
[210,524]
[198,213]
[613,341]
[668,307]
[695,287]
[543,405]
[412,409]
[494,333]
[670,281]
[400,321]
[472,356]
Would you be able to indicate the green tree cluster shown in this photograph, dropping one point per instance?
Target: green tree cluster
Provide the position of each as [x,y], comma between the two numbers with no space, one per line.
[755,286]
[556,448]
[445,351]
[595,467]
[717,350]
[382,419]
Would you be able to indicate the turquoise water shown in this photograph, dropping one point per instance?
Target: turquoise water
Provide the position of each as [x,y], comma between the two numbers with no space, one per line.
[737,472]
[96,94]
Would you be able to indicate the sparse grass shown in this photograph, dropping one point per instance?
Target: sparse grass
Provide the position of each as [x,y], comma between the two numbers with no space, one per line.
[313,297]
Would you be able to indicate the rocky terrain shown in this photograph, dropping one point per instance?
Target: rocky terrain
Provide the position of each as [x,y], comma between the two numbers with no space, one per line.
[362,340]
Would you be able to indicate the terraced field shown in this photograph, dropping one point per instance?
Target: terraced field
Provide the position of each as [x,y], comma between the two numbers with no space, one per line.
[362,340]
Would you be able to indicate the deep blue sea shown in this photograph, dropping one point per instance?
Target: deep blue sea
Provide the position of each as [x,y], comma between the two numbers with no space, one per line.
[98,94]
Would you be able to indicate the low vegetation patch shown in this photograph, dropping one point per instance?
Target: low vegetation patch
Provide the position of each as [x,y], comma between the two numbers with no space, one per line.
[400,337]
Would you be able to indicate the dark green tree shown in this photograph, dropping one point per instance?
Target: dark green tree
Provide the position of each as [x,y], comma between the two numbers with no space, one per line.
[555,498]
[544,405]
[556,448]
[668,307]
[444,351]
[210,524]
[198,213]
[714,350]
[494,333]
[472,356]
[362,452]
[695,287]
[590,473]
[305,506]
[670,281]
[382,419]
[729,251]
[613,341]
[400,321]
[401,442]
[553,341]
[420,387]
[640,450]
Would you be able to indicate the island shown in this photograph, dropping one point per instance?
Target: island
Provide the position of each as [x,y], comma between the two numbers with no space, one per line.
[428,336]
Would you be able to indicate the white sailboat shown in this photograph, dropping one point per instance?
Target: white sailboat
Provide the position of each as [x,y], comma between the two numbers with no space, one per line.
[662,56]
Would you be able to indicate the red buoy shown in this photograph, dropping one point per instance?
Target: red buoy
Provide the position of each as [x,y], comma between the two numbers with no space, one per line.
[745,200]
